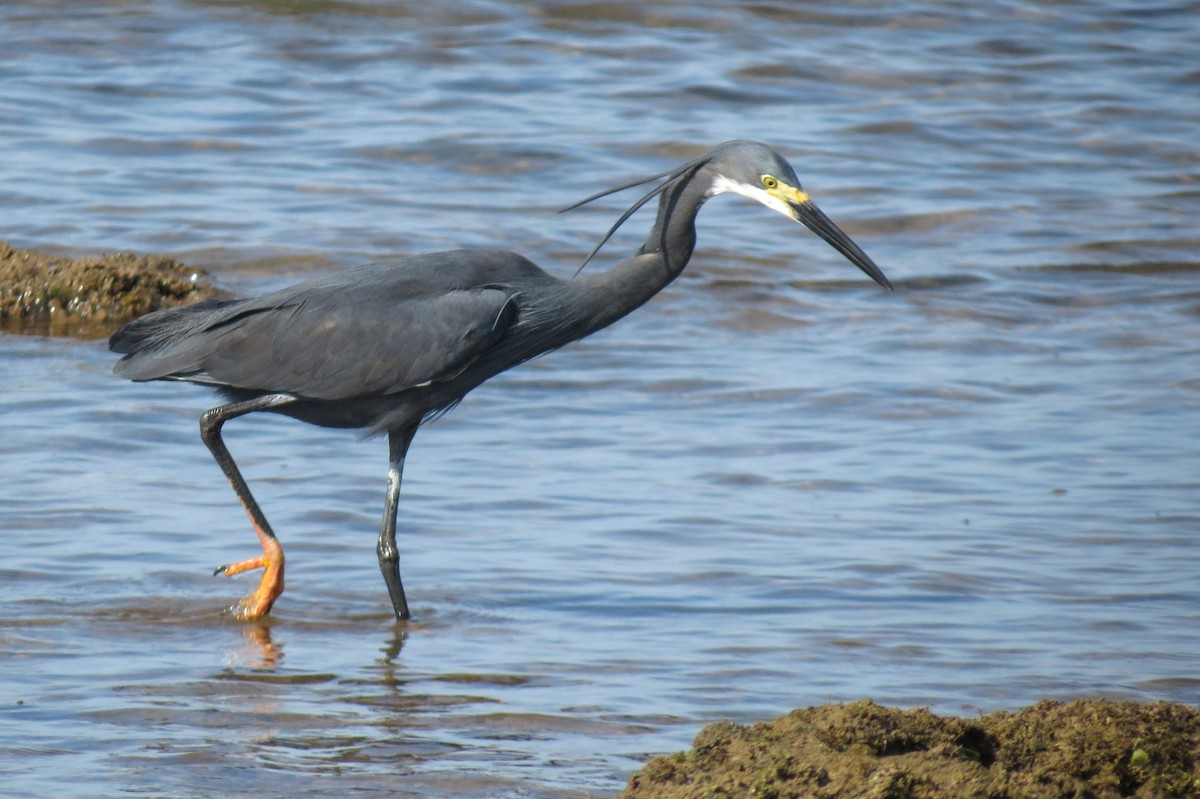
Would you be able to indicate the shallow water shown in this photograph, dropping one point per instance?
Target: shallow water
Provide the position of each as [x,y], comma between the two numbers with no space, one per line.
[776,485]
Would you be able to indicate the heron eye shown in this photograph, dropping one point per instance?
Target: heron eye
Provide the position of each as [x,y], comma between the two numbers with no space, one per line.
[769,183]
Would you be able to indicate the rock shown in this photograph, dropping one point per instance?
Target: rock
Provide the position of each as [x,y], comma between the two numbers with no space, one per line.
[90,296]
[1086,749]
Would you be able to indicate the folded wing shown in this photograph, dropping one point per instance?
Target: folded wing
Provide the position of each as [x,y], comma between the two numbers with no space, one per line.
[322,341]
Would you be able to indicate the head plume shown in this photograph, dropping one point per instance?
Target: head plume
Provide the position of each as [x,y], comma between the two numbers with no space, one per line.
[670,180]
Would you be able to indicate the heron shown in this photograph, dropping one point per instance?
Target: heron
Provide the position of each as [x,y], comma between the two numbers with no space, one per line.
[389,345]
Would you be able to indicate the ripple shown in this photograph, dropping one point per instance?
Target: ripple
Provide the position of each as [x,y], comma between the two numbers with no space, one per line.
[773,486]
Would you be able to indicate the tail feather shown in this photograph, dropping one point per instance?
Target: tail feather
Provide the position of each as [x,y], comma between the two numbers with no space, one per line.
[147,342]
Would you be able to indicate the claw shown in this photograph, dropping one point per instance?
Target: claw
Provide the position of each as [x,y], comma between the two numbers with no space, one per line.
[230,569]
[270,587]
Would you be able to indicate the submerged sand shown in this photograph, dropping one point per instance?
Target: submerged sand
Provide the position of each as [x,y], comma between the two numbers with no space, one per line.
[1086,749]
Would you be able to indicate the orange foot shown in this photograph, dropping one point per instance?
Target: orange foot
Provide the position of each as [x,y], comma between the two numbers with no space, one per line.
[270,587]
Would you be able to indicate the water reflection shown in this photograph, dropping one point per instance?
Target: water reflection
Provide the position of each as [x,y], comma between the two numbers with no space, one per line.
[258,651]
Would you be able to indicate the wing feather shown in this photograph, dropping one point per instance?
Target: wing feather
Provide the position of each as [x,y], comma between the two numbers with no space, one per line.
[329,339]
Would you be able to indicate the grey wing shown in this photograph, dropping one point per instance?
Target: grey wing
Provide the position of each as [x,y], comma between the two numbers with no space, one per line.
[324,348]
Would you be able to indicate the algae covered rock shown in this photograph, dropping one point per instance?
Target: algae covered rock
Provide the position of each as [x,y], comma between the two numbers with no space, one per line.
[89,296]
[1087,749]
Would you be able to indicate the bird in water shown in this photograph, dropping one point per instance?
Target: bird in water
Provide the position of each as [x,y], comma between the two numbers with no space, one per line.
[389,345]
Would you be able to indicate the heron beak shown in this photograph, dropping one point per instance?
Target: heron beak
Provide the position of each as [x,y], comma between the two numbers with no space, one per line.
[803,210]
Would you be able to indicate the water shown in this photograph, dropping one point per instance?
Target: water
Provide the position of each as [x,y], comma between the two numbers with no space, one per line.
[776,485]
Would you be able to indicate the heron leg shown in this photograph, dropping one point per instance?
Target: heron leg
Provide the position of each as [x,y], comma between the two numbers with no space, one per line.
[270,587]
[389,555]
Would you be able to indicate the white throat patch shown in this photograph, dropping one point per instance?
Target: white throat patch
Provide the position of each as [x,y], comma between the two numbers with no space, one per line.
[723,184]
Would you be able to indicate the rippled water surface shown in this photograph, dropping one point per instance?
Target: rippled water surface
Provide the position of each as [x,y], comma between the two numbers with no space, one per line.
[776,485]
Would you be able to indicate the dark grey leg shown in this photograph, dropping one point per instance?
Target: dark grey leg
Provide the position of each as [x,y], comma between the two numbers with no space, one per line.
[389,556]
[259,603]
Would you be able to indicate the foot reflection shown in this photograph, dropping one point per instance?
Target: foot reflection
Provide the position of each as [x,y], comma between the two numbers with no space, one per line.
[257,651]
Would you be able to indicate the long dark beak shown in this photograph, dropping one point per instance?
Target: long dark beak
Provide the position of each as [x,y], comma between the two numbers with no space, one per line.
[816,221]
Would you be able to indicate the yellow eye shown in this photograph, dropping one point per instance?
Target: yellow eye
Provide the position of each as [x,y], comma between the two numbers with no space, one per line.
[769,183]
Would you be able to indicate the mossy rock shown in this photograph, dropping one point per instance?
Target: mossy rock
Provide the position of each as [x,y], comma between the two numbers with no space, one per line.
[1087,749]
[90,296]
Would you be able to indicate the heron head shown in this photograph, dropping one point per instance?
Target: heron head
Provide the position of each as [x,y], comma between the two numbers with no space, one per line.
[756,171]
[753,170]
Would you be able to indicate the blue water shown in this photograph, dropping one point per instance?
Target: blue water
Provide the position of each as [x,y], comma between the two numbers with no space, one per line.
[774,486]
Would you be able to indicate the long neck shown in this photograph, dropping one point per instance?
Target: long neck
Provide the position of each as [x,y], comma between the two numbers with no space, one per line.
[607,296]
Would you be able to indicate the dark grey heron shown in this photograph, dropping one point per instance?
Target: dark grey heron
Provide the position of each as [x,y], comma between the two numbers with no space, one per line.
[386,346]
